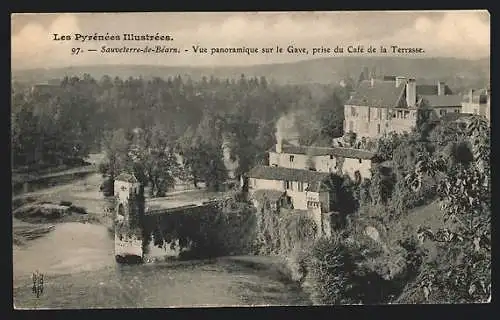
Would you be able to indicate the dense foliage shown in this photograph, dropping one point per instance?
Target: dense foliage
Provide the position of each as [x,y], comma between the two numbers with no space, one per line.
[279,232]
[65,121]
[205,232]
[382,256]
[463,271]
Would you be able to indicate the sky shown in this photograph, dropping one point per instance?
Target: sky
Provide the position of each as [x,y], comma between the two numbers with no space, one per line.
[459,34]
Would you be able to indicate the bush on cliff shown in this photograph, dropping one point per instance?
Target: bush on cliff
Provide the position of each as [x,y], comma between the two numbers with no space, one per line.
[331,272]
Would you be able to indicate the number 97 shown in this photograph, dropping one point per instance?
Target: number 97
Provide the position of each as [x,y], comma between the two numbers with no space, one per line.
[75,51]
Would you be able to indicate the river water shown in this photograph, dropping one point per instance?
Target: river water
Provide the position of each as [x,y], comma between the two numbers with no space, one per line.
[79,269]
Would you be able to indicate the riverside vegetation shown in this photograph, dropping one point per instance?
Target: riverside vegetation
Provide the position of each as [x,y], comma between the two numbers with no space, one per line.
[380,254]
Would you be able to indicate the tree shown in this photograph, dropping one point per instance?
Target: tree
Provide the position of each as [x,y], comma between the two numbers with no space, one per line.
[116,149]
[465,194]
[154,160]
[332,272]
[189,148]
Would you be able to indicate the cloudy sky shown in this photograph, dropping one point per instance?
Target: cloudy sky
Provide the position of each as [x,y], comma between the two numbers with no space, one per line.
[461,34]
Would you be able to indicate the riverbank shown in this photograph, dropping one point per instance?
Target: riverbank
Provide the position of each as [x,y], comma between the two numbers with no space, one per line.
[221,282]
[76,255]
[29,218]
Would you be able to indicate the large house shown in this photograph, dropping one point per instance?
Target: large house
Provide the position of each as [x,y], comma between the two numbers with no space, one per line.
[354,162]
[477,102]
[379,106]
[306,189]
[305,178]
[296,189]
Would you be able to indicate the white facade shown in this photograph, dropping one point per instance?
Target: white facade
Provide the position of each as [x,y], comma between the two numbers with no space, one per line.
[374,122]
[124,189]
[326,163]
[302,161]
[477,104]
[296,190]
[350,166]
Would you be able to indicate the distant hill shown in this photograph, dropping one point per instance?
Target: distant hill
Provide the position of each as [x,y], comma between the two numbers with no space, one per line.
[323,70]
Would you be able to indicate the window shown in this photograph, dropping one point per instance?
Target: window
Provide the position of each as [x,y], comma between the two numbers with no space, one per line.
[301,186]
[353,112]
[378,128]
[331,157]
[360,161]
[379,113]
[457,110]
[442,112]
[287,185]
[351,126]
[357,176]
[291,158]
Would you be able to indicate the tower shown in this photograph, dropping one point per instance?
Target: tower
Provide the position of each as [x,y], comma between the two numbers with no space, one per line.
[128,241]
[126,191]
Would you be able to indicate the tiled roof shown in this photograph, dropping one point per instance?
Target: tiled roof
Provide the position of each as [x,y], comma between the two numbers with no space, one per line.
[272,195]
[431,89]
[297,212]
[452,116]
[443,100]
[480,97]
[382,94]
[287,174]
[127,177]
[322,151]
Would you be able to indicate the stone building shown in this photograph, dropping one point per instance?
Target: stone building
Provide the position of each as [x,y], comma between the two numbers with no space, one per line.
[477,102]
[296,189]
[336,160]
[391,104]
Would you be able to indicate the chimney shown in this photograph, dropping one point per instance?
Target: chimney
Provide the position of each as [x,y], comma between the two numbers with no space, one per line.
[279,144]
[411,92]
[441,88]
[399,81]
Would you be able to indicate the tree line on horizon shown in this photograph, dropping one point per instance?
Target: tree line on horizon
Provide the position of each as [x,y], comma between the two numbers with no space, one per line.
[196,119]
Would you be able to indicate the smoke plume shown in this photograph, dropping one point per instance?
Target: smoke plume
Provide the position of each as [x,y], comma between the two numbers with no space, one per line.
[286,129]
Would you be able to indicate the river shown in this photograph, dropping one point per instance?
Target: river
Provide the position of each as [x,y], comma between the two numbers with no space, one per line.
[79,269]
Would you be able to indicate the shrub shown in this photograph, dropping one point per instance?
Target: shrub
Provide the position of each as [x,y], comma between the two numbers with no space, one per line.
[331,272]
[77,209]
[297,261]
